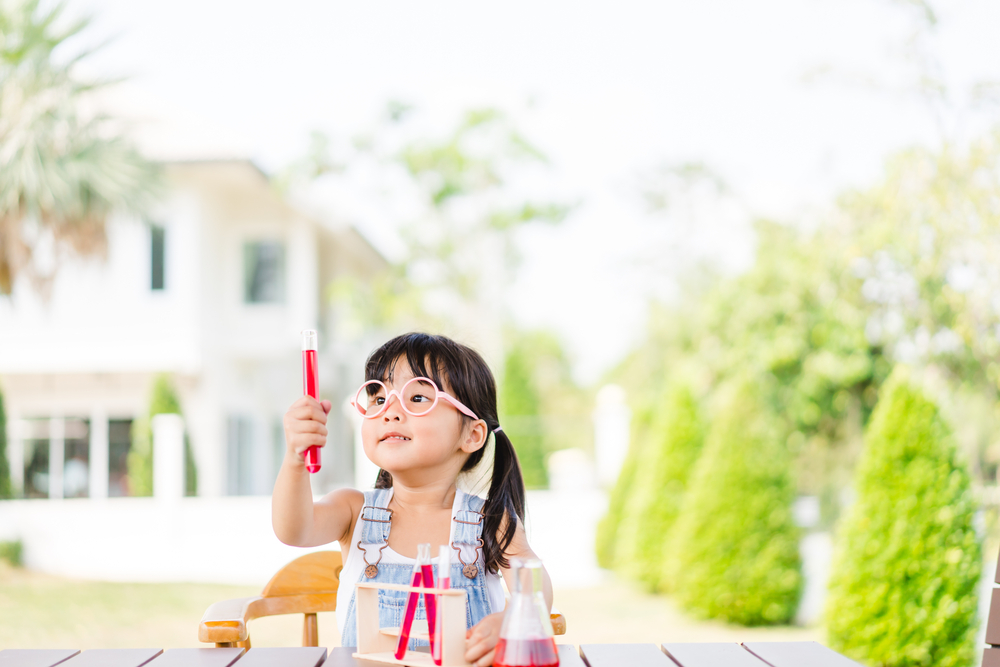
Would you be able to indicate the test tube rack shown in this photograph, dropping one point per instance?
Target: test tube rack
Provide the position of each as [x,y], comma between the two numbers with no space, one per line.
[379,644]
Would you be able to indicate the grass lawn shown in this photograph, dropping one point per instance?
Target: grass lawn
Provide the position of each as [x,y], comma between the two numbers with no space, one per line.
[42,611]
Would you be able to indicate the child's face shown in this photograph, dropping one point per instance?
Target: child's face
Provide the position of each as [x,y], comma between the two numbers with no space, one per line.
[401,443]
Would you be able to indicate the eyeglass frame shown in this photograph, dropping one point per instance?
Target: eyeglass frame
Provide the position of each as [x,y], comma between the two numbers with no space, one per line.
[398,393]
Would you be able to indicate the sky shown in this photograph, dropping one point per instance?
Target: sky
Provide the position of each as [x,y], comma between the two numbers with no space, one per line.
[608,91]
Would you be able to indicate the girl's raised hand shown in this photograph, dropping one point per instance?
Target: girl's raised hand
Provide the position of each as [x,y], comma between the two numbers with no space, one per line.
[305,427]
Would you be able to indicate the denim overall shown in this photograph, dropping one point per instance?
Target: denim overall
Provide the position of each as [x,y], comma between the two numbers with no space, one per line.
[375,518]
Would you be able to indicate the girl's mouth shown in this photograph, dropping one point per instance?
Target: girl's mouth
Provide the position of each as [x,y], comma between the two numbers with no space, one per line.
[396,437]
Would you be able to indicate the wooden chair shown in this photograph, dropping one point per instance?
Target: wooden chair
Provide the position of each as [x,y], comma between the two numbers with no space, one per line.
[307,585]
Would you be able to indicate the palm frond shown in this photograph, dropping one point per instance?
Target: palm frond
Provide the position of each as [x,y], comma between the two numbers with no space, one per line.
[62,172]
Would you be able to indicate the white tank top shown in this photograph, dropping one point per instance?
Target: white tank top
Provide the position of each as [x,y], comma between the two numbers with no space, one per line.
[354,565]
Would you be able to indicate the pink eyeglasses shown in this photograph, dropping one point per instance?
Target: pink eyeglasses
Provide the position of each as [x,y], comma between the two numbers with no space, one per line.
[417,397]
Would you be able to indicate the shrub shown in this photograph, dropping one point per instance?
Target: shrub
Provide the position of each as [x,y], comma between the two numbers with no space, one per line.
[5,487]
[140,457]
[903,583]
[737,544]
[607,539]
[675,442]
[11,552]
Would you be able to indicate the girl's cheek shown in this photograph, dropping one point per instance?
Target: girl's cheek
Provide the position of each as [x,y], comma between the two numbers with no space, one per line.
[367,431]
[367,440]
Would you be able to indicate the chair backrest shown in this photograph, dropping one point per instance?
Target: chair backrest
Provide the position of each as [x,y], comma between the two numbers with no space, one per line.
[306,586]
[317,573]
[991,655]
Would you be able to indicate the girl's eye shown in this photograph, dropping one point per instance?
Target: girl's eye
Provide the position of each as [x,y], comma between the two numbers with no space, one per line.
[420,398]
[379,400]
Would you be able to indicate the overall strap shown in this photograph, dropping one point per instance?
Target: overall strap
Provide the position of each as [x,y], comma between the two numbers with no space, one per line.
[375,517]
[467,540]
[469,520]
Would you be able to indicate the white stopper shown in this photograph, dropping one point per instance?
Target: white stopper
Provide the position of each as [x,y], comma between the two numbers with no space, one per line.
[309,339]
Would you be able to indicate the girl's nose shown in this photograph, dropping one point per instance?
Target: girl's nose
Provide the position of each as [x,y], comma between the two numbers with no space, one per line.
[392,412]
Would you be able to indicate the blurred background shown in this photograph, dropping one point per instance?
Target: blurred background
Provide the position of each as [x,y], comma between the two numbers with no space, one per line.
[733,265]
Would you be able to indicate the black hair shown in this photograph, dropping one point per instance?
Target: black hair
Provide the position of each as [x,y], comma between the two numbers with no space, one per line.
[471,381]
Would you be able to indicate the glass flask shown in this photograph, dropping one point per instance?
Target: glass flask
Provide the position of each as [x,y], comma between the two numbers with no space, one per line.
[526,634]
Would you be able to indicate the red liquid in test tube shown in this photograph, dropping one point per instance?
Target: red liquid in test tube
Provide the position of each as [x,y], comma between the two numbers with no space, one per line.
[430,601]
[310,387]
[409,613]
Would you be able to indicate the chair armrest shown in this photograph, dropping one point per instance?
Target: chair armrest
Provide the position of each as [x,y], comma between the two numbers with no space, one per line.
[225,621]
[558,623]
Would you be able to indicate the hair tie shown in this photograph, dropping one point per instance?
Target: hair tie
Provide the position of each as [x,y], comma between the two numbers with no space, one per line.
[497,429]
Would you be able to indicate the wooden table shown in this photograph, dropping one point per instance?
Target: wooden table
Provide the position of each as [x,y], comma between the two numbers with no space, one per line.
[174,657]
[751,654]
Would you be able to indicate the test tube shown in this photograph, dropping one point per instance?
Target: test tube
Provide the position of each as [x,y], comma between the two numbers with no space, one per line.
[443,581]
[430,600]
[411,603]
[310,387]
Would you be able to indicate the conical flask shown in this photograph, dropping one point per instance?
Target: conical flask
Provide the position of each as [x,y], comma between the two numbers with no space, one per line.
[526,634]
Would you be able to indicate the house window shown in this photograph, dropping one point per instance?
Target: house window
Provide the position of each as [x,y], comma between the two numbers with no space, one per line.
[119,444]
[66,439]
[157,236]
[239,457]
[263,272]
[36,459]
[253,457]
[76,458]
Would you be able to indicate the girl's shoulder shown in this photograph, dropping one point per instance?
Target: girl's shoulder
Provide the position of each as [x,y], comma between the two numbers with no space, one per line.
[343,496]
[345,503]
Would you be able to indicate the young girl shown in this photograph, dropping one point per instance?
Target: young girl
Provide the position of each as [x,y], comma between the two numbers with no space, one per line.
[430,408]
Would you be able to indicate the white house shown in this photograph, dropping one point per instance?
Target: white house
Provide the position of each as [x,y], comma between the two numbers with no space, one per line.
[214,289]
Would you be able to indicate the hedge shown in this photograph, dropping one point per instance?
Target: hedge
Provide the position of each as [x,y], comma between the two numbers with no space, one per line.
[644,539]
[607,539]
[902,590]
[737,544]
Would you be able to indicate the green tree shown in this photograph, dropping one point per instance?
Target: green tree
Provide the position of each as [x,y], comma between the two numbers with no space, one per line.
[798,316]
[63,170]
[926,258]
[737,544]
[645,535]
[460,218]
[5,486]
[163,400]
[520,417]
[541,407]
[904,578]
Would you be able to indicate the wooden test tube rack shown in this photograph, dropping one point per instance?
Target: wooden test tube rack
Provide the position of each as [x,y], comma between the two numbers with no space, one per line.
[379,644]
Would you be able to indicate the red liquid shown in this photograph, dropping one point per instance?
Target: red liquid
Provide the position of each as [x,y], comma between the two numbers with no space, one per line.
[430,604]
[526,653]
[408,614]
[310,387]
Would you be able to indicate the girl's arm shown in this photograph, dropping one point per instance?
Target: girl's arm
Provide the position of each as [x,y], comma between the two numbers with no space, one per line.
[481,639]
[298,521]
[519,549]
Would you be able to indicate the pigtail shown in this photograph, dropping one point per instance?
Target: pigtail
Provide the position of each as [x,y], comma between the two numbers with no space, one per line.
[383,480]
[505,500]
